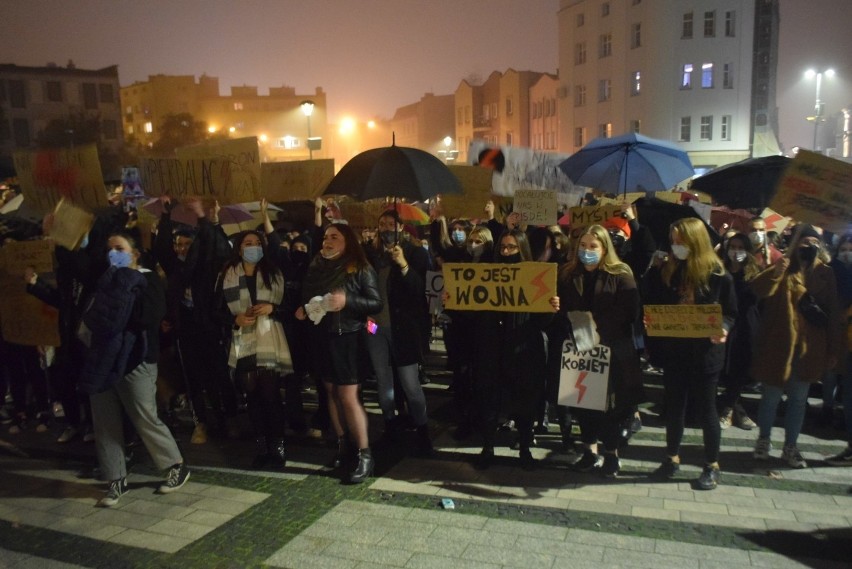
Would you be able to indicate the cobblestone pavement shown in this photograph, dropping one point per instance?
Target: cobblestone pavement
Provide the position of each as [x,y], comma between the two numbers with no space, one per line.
[763,515]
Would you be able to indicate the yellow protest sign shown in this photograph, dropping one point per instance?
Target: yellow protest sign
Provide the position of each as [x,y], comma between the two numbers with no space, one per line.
[818,190]
[519,287]
[683,320]
[227,170]
[475,183]
[362,215]
[536,207]
[293,181]
[47,176]
[588,215]
[70,225]
[24,319]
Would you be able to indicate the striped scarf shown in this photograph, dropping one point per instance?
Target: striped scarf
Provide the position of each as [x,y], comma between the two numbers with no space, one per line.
[265,338]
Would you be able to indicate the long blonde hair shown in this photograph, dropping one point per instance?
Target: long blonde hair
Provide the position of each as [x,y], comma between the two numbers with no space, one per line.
[702,261]
[610,263]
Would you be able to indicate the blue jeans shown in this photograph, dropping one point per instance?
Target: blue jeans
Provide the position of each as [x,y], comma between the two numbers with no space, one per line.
[797,402]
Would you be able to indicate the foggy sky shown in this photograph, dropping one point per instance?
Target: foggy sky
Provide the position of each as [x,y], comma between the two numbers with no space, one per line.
[370,56]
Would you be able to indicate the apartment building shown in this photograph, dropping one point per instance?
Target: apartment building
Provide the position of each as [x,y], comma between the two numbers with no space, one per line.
[426,124]
[32,97]
[698,72]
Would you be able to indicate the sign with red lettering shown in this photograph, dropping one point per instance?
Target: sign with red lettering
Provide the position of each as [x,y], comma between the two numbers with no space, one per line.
[47,176]
[584,379]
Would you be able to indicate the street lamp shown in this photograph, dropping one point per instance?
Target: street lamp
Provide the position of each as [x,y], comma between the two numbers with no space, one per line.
[810,74]
[308,110]
[447,154]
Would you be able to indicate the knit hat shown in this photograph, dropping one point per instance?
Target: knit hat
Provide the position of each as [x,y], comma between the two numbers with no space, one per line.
[809,231]
[618,222]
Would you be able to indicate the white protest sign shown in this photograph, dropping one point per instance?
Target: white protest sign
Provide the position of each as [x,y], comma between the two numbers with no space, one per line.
[537,207]
[584,377]
[434,290]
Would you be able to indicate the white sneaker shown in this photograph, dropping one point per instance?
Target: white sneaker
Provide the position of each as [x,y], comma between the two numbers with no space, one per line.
[793,457]
[68,434]
[762,449]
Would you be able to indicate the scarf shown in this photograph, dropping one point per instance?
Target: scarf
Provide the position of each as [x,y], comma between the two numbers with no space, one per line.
[265,338]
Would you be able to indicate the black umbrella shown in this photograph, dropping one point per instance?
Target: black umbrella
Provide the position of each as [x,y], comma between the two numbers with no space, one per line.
[658,215]
[396,171]
[749,183]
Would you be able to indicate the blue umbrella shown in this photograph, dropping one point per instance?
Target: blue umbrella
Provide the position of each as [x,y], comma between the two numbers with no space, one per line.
[628,163]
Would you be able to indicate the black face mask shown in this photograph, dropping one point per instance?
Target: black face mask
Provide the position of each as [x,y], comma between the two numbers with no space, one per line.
[807,253]
[299,257]
[618,241]
[389,238]
[515,258]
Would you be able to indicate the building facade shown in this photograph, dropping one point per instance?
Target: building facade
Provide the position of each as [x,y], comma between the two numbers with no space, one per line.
[544,114]
[32,97]
[425,124]
[278,119]
[697,72]
[496,111]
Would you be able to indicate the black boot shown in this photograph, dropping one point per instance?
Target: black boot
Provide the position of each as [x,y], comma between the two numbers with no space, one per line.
[364,468]
[423,445]
[485,458]
[262,457]
[278,454]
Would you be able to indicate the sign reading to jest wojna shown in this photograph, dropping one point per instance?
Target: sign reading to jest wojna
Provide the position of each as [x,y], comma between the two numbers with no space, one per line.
[518,287]
[683,320]
[584,376]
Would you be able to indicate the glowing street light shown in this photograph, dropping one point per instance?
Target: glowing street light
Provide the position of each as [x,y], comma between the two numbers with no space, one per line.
[810,74]
[446,153]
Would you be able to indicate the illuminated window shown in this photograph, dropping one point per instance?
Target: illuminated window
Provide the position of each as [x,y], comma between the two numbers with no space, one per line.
[149,127]
[706,75]
[686,77]
[288,142]
[635,83]
[238,106]
[605,130]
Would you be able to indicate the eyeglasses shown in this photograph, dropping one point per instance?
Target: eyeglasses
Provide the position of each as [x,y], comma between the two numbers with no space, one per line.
[508,247]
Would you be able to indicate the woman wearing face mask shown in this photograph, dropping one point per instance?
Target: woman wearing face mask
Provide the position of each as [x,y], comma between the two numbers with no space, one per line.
[343,277]
[800,337]
[121,331]
[509,361]
[598,282]
[692,274]
[740,262]
[448,242]
[252,288]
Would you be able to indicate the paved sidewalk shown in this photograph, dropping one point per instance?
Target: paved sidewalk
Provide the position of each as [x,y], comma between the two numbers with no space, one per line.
[763,515]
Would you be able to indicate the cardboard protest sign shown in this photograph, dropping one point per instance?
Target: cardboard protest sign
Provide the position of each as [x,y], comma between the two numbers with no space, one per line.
[774,220]
[475,183]
[47,176]
[816,189]
[536,207]
[227,170]
[362,215]
[70,225]
[586,216]
[584,377]
[434,291]
[24,319]
[520,287]
[683,320]
[162,176]
[293,181]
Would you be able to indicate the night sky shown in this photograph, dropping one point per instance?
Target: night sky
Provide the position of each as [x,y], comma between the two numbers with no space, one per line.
[370,56]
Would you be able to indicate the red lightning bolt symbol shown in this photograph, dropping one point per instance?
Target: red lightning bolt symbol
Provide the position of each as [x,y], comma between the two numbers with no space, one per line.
[580,387]
[538,281]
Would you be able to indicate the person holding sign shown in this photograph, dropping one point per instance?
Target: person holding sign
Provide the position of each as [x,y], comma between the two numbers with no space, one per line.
[252,289]
[800,337]
[691,275]
[395,338]
[339,292]
[509,364]
[597,281]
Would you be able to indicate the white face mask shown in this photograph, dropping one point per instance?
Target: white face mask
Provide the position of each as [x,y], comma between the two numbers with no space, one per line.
[845,257]
[738,256]
[680,252]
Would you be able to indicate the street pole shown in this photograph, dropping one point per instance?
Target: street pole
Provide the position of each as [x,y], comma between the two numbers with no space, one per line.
[310,150]
[817,109]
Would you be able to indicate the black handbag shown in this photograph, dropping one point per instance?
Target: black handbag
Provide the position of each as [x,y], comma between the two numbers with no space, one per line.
[812,311]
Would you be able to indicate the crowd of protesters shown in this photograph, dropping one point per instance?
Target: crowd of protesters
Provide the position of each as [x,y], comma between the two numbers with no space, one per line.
[217,323]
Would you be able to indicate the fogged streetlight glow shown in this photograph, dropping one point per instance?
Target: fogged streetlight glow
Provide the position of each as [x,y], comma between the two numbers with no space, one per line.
[347,126]
[448,140]
[371,124]
[211,129]
[232,129]
[263,138]
[307,108]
